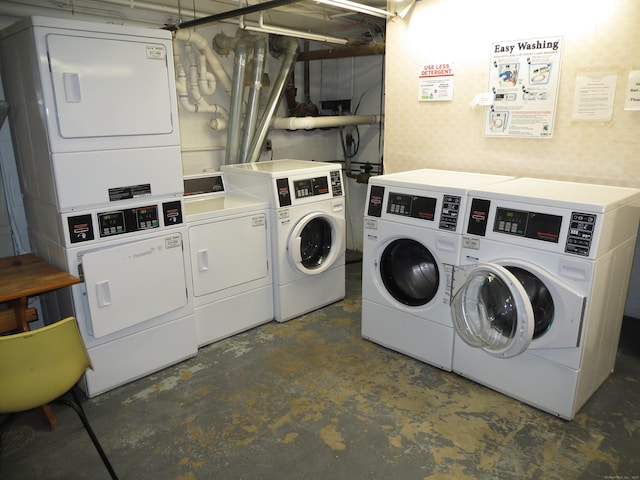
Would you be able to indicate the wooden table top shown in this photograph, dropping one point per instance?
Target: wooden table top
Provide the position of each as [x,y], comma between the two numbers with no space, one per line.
[28,275]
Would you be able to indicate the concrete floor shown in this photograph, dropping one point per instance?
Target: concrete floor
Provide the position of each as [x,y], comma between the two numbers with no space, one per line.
[310,399]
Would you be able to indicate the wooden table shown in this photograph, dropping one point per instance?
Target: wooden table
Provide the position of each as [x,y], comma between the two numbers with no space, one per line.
[25,276]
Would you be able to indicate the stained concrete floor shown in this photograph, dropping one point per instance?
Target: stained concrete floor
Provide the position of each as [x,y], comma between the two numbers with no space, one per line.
[309,399]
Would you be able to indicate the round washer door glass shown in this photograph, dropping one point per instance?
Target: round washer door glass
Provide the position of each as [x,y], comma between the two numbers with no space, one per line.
[409,272]
[492,311]
[315,243]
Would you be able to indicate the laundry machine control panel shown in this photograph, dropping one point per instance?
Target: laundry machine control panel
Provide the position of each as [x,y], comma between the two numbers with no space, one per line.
[534,225]
[308,188]
[423,208]
[123,221]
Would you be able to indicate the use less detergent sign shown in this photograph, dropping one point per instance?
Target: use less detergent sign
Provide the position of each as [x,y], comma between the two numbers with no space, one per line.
[435,82]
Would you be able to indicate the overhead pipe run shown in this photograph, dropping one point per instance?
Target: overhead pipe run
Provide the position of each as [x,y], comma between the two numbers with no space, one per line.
[309,123]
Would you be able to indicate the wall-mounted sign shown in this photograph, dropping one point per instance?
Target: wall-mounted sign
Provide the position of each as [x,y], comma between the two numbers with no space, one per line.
[593,97]
[632,98]
[435,82]
[524,76]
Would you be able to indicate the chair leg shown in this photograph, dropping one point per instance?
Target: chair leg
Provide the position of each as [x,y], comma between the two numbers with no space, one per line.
[77,406]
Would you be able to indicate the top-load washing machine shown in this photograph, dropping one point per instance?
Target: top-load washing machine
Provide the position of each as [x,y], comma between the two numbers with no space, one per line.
[308,237]
[230,252]
[412,235]
[540,290]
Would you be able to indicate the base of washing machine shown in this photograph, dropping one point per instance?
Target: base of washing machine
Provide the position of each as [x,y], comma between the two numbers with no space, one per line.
[134,356]
[235,314]
[419,338]
[309,293]
[536,381]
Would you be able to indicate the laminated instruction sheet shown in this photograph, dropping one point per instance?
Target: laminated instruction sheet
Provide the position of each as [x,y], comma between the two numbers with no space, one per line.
[524,77]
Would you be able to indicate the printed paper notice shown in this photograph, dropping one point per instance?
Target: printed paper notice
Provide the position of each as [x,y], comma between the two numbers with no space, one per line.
[632,99]
[524,77]
[435,82]
[593,97]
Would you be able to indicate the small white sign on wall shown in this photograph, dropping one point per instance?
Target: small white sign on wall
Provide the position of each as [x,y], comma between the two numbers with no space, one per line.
[632,97]
[593,97]
[435,82]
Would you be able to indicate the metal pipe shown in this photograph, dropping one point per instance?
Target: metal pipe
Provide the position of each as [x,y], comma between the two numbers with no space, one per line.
[253,102]
[343,52]
[235,109]
[262,131]
[309,123]
[259,7]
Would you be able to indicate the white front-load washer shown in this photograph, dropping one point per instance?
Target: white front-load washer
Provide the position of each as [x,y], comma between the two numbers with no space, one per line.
[307,206]
[230,252]
[412,229]
[540,289]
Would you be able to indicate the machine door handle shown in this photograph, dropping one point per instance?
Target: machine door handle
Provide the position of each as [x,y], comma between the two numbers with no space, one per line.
[103,293]
[72,87]
[203,260]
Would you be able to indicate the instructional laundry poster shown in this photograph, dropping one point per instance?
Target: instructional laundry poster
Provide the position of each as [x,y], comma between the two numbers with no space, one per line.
[524,76]
[435,82]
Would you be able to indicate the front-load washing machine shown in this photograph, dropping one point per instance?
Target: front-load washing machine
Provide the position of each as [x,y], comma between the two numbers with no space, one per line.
[307,208]
[412,234]
[230,252]
[540,289]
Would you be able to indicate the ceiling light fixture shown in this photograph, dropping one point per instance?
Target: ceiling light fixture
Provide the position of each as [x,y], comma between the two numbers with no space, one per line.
[357,7]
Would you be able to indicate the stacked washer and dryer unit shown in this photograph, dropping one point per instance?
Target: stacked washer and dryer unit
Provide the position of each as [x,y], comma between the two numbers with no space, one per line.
[308,235]
[540,289]
[95,125]
[412,236]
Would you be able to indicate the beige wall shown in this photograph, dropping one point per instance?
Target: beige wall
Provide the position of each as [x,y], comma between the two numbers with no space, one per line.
[599,36]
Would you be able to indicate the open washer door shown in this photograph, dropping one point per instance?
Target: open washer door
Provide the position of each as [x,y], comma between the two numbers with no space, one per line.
[492,311]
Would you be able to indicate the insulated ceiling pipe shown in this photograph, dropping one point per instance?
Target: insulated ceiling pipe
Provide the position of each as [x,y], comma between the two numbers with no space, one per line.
[309,123]
[292,47]
[253,102]
[235,108]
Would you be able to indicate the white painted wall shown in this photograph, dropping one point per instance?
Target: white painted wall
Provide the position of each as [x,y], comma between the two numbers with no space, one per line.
[598,37]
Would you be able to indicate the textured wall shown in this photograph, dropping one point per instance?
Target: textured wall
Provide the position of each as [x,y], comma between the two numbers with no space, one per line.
[598,37]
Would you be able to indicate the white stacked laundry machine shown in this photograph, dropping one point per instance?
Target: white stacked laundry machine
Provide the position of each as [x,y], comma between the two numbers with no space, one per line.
[539,291]
[95,127]
[412,237]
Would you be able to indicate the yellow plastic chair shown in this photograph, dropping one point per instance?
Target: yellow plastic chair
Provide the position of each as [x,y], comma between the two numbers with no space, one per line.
[42,366]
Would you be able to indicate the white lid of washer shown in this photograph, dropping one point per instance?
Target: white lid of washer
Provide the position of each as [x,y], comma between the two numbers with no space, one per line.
[280,168]
[557,193]
[438,180]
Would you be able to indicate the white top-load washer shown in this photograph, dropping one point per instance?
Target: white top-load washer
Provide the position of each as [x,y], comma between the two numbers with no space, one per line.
[308,237]
[412,236]
[230,252]
[540,289]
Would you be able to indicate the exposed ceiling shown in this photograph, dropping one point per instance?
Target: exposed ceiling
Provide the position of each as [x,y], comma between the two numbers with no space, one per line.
[310,16]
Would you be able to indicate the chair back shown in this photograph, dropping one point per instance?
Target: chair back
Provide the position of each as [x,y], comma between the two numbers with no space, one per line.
[38,366]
